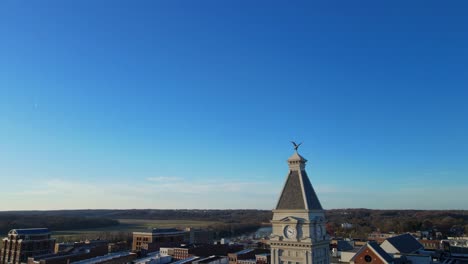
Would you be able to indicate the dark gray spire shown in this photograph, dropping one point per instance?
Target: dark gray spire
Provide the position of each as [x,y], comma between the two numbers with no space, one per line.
[298,193]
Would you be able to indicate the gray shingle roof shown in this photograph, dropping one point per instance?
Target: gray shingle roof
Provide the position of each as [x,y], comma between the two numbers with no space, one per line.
[380,251]
[312,199]
[292,194]
[405,243]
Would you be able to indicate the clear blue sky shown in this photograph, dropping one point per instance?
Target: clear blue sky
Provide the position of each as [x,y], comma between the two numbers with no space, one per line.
[192,104]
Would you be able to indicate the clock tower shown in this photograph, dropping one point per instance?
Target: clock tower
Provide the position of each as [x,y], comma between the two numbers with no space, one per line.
[299,234]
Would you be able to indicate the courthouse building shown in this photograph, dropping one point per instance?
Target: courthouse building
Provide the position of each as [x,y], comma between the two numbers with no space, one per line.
[299,234]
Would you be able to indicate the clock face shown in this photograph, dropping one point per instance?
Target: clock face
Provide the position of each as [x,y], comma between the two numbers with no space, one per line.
[290,232]
[319,232]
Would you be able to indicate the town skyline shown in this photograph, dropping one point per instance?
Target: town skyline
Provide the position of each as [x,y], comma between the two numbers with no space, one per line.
[150,101]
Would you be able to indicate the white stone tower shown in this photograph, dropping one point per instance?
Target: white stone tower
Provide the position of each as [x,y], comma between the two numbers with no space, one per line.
[299,234]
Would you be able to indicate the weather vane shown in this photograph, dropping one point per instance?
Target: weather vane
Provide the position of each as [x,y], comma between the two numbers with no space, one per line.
[296,146]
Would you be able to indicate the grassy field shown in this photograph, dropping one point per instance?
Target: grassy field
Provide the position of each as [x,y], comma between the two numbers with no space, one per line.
[127,226]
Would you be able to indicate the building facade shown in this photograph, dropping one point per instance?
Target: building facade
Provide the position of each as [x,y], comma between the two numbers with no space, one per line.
[262,258]
[235,257]
[200,236]
[299,234]
[24,243]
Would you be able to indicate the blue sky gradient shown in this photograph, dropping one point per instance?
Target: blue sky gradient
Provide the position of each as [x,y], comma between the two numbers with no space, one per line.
[192,104]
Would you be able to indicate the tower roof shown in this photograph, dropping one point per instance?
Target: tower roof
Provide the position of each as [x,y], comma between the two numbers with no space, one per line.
[298,193]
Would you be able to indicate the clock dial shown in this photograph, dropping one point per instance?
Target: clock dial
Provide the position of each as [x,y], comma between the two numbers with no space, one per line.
[290,232]
[319,232]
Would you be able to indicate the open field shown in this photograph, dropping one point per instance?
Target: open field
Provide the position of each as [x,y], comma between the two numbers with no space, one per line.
[130,225]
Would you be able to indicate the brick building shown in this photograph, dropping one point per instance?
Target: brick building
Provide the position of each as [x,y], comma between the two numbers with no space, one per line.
[118,246]
[23,243]
[158,237]
[430,244]
[371,253]
[247,261]
[246,254]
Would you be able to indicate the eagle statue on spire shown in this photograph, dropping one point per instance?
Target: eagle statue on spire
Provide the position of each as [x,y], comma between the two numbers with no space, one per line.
[296,146]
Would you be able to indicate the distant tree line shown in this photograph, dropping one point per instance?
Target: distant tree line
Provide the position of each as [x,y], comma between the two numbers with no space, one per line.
[53,222]
[365,221]
[236,222]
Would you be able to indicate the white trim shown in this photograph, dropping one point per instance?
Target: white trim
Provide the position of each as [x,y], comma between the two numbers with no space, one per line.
[306,205]
[373,250]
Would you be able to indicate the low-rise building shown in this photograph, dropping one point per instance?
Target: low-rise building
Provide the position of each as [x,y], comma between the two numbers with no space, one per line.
[371,253]
[158,237]
[118,246]
[380,237]
[455,250]
[184,252]
[430,244]
[401,249]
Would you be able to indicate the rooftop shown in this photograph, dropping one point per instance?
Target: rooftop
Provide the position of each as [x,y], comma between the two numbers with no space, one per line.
[166,230]
[209,259]
[187,260]
[377,249]
[244,251]
[29,231]
[149,257]
[104,258]
[380,251]
[405,243]
[292,197]
[296,157]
